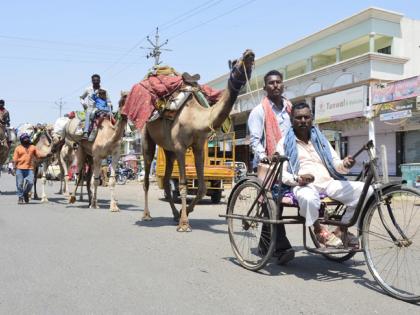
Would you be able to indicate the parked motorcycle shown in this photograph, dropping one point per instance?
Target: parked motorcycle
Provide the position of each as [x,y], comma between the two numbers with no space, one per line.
[122,174]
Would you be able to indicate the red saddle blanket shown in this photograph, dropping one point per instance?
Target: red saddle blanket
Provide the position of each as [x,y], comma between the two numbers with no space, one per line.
[141,100]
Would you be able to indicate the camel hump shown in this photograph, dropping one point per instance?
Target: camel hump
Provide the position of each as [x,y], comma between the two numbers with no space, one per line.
[190,79]
[74,130]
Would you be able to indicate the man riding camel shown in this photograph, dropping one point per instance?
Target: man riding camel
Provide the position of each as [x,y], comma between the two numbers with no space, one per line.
[4,115]
[88,101]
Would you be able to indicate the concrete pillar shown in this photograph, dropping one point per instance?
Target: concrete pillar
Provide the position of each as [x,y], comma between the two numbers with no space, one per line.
[338,54]
[372,41]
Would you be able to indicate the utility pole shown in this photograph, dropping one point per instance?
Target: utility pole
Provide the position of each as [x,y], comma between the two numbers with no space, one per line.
[60,105]
[156,49]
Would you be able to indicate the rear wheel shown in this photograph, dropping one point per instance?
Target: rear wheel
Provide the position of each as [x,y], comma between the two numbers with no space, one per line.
[252,242]
[394,263]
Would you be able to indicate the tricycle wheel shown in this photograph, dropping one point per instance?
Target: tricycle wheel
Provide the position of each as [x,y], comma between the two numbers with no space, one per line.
[252,241]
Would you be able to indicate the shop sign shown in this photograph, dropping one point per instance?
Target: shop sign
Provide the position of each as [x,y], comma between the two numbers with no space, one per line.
[341,105]
[396,115]
[395,91]
[396,110]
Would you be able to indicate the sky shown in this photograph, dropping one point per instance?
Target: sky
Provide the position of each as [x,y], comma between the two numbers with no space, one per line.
[50,49]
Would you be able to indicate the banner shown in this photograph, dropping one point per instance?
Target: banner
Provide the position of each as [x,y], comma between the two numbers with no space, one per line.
[341,105]
[395,91]
[396,110]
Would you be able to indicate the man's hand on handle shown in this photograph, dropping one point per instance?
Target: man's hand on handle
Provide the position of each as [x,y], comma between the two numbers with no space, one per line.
[349,162]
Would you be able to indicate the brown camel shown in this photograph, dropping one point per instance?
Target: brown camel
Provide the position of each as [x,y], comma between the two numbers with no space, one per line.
[65,157]
[190,128]
[6,140]
[107,142]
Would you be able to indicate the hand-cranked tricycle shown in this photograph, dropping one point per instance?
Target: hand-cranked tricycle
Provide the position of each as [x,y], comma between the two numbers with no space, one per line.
[388,224]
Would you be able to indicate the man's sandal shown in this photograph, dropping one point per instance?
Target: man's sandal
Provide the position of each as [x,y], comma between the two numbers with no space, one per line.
[350,240]
[328,239]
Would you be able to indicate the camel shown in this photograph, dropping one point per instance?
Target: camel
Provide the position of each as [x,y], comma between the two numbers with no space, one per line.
[190,128]
[47,147]
[6,140]
[65,157]
[107,142]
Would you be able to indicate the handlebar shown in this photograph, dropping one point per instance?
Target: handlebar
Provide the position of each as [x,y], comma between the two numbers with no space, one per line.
[365,147]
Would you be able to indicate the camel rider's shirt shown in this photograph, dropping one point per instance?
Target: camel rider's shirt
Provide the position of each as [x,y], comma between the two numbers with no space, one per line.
[101,104]
[87,99]
[24,157]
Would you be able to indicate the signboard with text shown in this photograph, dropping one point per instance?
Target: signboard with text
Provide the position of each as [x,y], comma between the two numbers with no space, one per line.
[395,91]
[341,105]
[397,110]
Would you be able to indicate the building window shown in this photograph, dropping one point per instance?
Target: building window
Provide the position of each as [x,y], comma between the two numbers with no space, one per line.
[240,131]
[386,50]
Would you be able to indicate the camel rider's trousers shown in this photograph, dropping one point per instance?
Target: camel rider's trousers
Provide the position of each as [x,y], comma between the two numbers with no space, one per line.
[346,192]
[89,112]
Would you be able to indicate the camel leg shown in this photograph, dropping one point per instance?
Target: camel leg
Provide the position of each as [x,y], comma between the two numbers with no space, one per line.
[64,166]
[80,164]
[82,183]
[183,225]
[199,167]
[169,158]
[88,178]
[149,148]
[44,198]
[94,184]
[36,169]
[115,157]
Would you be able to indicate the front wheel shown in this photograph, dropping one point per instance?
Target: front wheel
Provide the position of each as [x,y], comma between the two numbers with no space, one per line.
[121,179]
[391,239]
[252,242]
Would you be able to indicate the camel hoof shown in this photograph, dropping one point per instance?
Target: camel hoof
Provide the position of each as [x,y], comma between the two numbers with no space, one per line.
[72,199]
[183,228]
[147,217]
[94,205]
[114,207]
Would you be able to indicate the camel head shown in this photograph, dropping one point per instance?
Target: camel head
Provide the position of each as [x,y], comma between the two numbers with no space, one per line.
[121,102]
[241,69]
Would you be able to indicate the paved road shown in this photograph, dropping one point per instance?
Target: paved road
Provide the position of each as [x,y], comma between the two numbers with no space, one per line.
[57,258]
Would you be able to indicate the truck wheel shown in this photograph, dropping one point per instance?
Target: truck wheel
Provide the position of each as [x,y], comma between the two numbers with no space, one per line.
[216,196]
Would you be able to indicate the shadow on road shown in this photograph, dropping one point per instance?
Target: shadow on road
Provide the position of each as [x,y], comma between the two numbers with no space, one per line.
[202,202]
[7,193]
[196,224]
[314,267]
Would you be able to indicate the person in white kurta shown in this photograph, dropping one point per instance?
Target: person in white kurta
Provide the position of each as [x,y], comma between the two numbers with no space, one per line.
[313,177]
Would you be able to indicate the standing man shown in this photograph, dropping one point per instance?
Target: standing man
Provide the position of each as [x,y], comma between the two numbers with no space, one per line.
[87,99]
[270,120]
[23,158]
[267,123]
[4,115]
